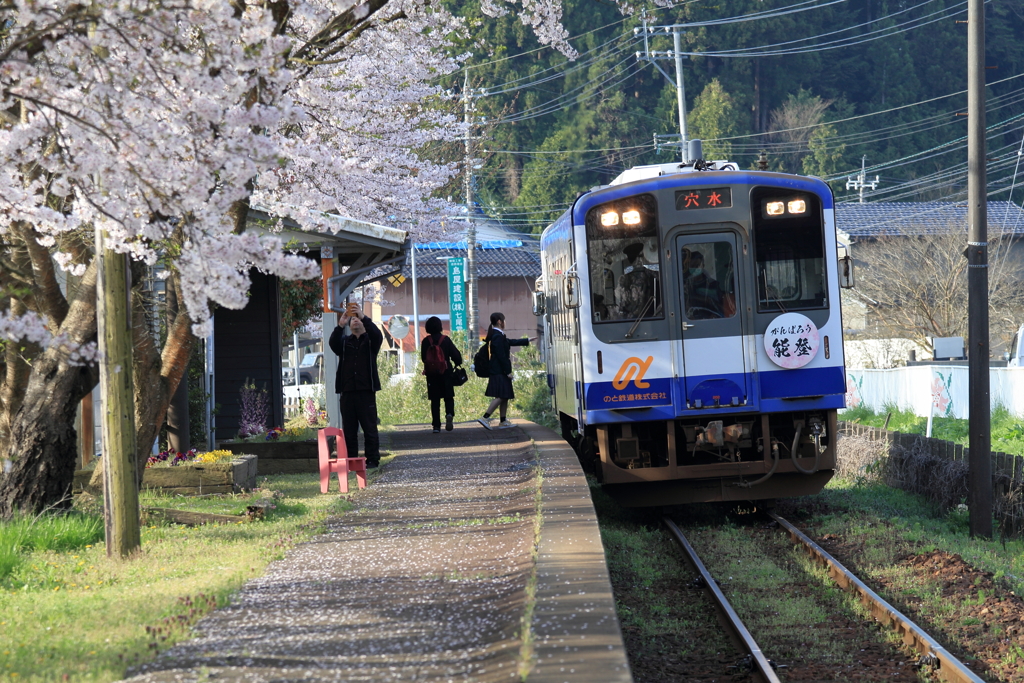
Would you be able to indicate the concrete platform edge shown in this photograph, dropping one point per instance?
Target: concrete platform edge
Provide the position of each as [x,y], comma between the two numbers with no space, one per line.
[576,630]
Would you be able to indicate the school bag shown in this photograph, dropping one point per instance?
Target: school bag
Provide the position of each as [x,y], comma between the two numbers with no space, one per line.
[434,362]
[482,361]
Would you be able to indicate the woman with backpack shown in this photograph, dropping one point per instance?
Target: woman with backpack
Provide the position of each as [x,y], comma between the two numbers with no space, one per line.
[439,356]
[499,384]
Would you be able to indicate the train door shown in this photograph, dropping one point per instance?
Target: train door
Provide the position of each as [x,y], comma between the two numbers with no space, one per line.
[716,370]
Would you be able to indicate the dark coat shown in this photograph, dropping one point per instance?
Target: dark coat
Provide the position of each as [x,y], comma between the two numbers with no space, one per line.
[501,354]
[440,386]
[367,349]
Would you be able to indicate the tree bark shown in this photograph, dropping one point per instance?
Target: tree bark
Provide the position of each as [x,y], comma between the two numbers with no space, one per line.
[42,444]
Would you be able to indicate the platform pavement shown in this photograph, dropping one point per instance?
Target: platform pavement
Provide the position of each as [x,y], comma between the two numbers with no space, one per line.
[428,578]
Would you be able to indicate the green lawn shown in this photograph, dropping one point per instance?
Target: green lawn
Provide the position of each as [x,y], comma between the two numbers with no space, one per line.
[66,608]
[1007,429]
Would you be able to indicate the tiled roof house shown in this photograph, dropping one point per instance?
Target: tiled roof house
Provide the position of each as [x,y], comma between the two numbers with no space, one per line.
[880,219]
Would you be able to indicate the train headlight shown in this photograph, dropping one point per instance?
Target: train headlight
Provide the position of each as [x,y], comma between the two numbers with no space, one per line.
[610,219]
[775,208]
[631,217]
[797,206]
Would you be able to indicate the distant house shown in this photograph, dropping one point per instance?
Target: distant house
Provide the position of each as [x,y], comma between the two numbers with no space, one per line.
[506,273]
[865,222]
[863,225]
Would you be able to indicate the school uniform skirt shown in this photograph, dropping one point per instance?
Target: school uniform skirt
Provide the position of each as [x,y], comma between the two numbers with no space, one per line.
[499,386]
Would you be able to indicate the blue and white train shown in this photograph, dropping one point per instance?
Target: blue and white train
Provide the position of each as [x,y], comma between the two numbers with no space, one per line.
[693,334]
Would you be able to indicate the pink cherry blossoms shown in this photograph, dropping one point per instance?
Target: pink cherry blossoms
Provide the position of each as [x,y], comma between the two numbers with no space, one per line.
[159,121]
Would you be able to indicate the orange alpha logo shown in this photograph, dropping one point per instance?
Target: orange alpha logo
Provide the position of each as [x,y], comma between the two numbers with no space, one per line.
[632,366]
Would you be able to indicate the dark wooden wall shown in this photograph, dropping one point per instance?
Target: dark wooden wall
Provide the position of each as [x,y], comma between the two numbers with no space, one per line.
[247,345]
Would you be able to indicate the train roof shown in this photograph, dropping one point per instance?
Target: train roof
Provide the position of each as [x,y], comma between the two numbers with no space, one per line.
[656,170]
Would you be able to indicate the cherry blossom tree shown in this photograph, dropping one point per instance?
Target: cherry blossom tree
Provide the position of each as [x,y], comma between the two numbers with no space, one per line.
[159,122]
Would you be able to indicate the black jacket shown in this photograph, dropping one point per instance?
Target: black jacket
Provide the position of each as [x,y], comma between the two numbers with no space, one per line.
[440,386]
[501,354]
[363,367]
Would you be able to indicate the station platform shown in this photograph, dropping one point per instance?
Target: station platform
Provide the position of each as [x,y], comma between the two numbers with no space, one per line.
[433,576]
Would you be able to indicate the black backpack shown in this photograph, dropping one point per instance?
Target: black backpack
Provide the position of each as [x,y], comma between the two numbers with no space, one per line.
[482,361]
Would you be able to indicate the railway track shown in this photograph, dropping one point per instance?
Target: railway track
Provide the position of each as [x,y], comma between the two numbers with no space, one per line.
[944,665]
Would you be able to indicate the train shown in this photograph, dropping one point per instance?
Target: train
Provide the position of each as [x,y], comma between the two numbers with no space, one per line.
[692,332]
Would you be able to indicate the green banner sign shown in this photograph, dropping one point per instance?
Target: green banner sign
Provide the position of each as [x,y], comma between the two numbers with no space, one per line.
[457,293]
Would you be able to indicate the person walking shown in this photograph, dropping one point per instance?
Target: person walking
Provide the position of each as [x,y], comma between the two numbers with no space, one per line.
[357,381]
[440,356]
[499,384]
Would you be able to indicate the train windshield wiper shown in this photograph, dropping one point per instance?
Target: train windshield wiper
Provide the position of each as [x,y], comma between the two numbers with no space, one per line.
[632,329]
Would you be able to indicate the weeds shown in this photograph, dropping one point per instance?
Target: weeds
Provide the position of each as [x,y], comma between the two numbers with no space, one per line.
[51,532]
[405,400]
[65,608]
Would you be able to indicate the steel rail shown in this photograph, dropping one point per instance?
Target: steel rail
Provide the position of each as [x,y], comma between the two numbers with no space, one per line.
[949,668]
[729,616]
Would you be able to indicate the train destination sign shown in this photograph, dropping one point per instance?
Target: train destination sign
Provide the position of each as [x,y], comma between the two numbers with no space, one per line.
[713,198]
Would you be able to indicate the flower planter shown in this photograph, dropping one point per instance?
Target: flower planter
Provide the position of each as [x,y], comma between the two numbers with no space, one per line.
[279,457]
[200,478]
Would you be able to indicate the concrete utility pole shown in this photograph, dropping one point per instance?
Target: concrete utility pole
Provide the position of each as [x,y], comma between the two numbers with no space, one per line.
[676,54]
[861,182]
[979,423]
[472,332]
[120,482]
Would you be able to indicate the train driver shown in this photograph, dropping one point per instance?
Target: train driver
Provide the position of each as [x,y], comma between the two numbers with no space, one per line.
[638,293]
[703,295]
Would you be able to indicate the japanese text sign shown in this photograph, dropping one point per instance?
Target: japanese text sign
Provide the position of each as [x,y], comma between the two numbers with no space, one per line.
[791,340]
[457,293]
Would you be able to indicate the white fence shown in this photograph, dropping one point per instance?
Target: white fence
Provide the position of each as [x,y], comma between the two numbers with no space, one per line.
[295,396]
[939,390]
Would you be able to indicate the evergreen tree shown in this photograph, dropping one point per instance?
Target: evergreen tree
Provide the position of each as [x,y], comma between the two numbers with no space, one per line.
[713,118]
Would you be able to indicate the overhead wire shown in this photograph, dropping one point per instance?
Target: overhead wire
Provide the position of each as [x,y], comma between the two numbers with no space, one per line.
[886,31]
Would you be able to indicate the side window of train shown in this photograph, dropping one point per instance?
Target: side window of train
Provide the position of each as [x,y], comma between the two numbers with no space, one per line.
[789,250]
[624,254]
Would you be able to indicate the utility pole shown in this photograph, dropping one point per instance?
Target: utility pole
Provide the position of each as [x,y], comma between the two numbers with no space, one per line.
[120,482]
[675,54]
[861,182]
[472,332]
[415,295]
[979,424]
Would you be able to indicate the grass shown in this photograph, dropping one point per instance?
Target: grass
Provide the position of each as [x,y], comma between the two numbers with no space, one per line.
[405,402]
[745,563]
[891,523]
[66,608]
[54,533]
[1007,429]
[648,573]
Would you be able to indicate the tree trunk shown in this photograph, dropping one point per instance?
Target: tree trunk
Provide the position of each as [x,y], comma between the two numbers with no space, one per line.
[42,444]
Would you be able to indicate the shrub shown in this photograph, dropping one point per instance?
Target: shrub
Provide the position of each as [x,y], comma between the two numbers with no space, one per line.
[255,410]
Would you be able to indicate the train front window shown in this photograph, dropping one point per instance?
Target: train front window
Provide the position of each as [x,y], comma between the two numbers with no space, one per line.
[788,250]
[709,285]
[623,250]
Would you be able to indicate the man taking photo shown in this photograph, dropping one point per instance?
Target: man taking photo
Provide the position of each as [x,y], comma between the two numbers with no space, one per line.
[357,382]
